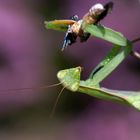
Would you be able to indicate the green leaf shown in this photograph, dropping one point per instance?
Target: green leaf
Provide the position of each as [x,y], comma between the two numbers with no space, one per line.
[106,34]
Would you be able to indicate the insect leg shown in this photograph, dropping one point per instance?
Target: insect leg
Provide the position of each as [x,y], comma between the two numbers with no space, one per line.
[70,38]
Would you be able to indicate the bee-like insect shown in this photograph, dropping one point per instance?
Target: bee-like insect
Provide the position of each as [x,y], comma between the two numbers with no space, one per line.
[96,13]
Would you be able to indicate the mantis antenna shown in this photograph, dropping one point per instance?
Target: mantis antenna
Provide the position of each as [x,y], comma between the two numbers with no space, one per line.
[32,88]
[56,102]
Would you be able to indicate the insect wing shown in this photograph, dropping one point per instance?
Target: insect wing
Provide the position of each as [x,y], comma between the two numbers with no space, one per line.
[59,25]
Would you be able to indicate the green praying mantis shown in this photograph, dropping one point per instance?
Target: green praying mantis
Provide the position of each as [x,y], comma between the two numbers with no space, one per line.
[122,47]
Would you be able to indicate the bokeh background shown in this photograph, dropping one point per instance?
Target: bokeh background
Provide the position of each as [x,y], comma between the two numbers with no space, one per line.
[30,56]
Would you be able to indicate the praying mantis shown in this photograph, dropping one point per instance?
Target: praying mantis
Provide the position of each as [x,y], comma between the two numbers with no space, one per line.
[122,47]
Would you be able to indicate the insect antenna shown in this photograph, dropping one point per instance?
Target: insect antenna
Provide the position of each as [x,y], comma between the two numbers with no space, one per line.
[32,88]
[56,102]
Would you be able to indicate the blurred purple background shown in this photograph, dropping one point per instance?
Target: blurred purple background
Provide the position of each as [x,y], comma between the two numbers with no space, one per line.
[30,56]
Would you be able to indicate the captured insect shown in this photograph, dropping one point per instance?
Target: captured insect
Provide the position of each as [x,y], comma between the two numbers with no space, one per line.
[74,26]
